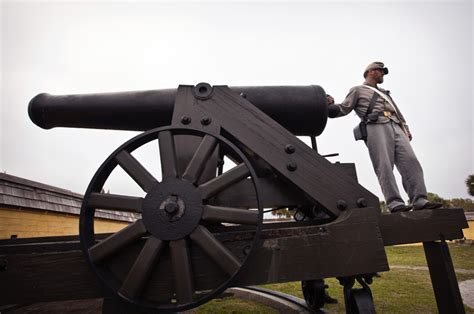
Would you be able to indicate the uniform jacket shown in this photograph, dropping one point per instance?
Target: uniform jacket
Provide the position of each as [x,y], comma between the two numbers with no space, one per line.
[358,100]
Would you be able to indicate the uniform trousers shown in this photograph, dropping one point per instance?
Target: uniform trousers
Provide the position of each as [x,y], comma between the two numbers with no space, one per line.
[388,146]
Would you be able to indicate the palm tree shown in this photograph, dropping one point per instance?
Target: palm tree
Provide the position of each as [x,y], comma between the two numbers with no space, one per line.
[470,184]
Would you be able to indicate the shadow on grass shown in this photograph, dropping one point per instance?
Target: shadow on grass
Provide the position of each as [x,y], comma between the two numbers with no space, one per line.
[397,291]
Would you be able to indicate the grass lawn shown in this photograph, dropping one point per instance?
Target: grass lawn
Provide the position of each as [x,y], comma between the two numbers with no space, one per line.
[397,291]
[413,255]
[234,305]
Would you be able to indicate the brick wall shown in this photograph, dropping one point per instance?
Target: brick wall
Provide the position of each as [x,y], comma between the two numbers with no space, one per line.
[36,223]
[29,224]
[469,233]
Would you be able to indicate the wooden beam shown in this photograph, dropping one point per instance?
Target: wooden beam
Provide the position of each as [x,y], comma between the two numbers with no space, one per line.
[290,251]
[274,192]
[286,254]
[422,226]
[31,278]
[186,145]
[316,176]
[443,277]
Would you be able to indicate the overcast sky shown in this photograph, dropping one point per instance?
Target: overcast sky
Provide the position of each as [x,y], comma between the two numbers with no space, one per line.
[87,47]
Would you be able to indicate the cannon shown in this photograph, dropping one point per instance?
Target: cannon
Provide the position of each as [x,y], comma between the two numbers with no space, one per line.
[300,109]
[226,156]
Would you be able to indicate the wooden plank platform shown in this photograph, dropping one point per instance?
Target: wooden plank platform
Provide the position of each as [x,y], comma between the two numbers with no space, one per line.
[289,251]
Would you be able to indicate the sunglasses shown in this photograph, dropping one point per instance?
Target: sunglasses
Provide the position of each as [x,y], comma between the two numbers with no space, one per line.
[384,70]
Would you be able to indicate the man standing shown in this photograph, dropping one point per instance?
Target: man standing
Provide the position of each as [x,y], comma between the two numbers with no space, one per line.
[388,140]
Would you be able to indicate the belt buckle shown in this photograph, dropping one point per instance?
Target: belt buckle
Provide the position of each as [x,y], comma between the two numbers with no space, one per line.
[387,114]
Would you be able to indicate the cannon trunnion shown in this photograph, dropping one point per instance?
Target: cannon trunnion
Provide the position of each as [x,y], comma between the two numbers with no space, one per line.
[198,229]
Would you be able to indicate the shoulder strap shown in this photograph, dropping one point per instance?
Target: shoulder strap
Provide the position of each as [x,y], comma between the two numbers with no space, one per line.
[374,98]
[378,92]
[388,99]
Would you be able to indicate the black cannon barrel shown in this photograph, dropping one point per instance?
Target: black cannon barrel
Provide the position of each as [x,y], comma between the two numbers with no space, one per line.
[300,109]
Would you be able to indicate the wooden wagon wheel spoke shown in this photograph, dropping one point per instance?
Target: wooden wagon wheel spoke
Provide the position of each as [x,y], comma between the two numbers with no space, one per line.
[183,276]
[115,202]
[139,274]
[115,242]
[171,212]
[198,162]
[229,214]
[216,185]
[167,155]
[138,173]
[218,253]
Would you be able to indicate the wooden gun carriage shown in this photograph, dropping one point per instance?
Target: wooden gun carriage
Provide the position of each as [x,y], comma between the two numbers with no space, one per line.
[199,228]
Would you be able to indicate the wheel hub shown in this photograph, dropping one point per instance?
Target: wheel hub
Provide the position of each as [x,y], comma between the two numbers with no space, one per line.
[172,209]
[174,206]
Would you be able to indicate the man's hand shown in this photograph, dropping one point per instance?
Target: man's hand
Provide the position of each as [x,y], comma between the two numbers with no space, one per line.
[330,99]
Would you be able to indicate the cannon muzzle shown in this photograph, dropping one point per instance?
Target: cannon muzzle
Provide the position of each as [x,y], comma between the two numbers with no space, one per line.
[300,109]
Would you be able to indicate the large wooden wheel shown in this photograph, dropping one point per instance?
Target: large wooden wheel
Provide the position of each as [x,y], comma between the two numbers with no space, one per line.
[164,247]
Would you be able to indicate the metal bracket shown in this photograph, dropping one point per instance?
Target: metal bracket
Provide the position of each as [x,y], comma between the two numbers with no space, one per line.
[358,300]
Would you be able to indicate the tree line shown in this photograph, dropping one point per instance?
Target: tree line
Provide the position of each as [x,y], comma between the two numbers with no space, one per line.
[465,203]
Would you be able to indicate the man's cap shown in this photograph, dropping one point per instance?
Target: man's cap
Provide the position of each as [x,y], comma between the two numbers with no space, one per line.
[375,65]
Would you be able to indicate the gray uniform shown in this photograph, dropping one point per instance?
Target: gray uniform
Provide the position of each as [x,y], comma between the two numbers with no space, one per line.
[388,146]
